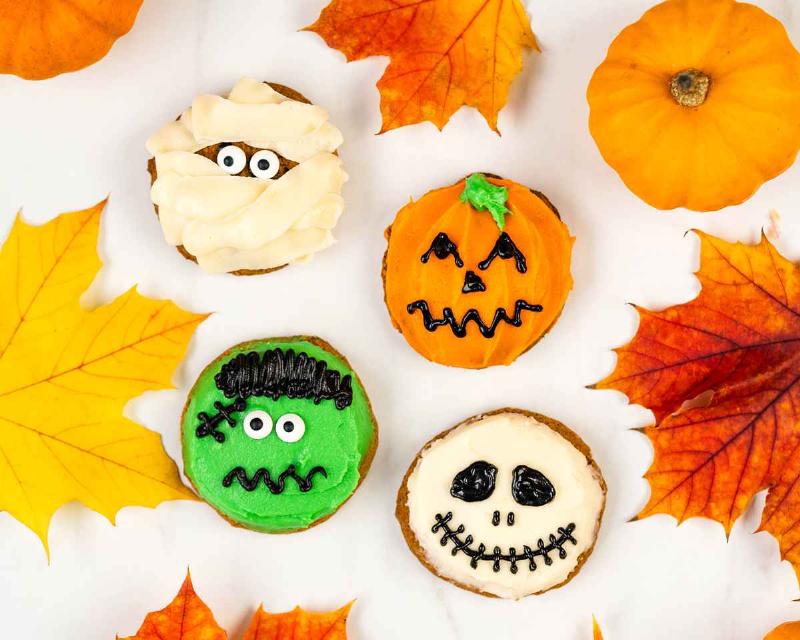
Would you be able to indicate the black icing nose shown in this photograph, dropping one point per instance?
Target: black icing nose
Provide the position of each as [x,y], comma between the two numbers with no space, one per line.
[473,283]
[531,488]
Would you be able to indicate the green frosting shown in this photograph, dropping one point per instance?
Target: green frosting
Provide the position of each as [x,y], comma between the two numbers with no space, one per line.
[338,440]
[482,195]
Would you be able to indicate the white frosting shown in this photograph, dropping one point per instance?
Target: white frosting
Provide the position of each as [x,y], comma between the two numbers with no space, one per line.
[506,441]
[232,222]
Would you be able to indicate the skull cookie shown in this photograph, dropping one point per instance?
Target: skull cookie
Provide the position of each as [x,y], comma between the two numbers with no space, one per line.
[506,504]
[475,274]
[250,182]
[277,434]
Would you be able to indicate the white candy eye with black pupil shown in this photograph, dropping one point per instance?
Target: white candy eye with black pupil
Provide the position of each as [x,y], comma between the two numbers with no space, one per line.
[265,164]
[290,427]
[231,159]
[257,425]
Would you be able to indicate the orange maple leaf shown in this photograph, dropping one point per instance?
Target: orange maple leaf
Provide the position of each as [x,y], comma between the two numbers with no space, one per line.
[597,634]
[299,624]
[188,618]
[444,53]
[722,375]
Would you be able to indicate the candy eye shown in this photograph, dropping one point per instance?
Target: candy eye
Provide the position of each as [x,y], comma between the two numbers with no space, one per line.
[290,427]
[265,164]
[257,425]
[231,159]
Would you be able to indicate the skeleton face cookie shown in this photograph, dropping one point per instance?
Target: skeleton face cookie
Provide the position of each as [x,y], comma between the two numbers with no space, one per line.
[248,183]
[506,504]
[277,434]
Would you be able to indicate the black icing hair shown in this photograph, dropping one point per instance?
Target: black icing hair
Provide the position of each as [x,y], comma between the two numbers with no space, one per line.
[277,373]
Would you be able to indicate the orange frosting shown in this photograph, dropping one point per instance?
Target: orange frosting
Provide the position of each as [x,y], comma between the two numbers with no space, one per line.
[536,231]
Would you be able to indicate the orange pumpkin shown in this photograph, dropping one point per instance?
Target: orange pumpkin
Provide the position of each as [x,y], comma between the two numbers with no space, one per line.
[698,103]
[475,274]
[787,631]
[43,38]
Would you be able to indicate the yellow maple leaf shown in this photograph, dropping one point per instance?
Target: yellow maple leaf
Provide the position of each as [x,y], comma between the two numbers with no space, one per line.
[66,374]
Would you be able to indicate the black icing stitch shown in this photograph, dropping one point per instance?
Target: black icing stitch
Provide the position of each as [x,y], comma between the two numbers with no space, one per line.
[277,373]
[496,557]
[506,249]
[441,247]
[473,315]
[209,424]
[275,487]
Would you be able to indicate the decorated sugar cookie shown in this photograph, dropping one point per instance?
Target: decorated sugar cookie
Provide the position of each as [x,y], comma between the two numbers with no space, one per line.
[476,273]
[249,183]
[278,434]
[506,504]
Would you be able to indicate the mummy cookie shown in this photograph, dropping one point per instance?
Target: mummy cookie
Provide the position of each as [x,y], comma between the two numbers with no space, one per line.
[506,504]
[475,274]
[277,434]
[249,183]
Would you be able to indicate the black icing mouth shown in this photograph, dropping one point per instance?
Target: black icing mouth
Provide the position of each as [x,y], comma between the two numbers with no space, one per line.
[497,557]
[275,486]
[473,315]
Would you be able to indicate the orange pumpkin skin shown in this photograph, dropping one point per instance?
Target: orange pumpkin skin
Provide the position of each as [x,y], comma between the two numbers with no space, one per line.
[43,38]
[704,149]
[538,233]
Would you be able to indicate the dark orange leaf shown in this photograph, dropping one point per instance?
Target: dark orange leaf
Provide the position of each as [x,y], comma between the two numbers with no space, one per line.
[298,624]
[43,38]
[185,618]
[787,631]
[721,373]
[444,54]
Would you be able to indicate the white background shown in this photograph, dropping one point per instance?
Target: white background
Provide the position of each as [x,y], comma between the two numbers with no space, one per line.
[70,141]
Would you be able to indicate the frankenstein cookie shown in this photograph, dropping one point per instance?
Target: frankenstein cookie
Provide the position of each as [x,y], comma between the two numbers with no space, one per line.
[277,434]
[506,504]
[249,183]
[475,274]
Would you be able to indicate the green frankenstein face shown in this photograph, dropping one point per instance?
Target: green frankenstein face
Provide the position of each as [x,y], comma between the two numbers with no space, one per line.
[275,434]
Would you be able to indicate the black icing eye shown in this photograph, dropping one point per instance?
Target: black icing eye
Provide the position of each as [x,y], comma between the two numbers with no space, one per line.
[505,249]
[531,488]
[231,159]
[475,483]
[442,247]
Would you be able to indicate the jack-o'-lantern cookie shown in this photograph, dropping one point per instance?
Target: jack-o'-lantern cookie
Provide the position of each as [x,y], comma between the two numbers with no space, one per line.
[506,504]
[249,183]
[277,434]
[476,273]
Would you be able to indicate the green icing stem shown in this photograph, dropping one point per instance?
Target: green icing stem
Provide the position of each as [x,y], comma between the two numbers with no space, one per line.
[338,440]
[482,195]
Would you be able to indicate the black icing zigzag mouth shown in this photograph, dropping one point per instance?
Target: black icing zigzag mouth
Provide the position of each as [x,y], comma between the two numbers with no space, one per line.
[473,315]
[275,487]
[542,550]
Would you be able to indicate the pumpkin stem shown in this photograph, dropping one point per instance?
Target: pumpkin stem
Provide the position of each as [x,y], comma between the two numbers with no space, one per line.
[482,195]
[690,87]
